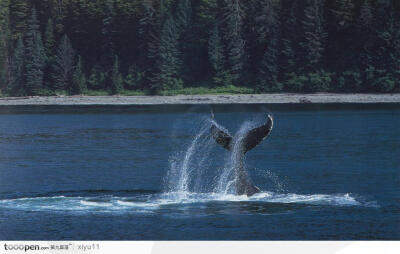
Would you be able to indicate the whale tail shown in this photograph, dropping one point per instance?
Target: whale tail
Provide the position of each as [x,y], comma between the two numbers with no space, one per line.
[252,138]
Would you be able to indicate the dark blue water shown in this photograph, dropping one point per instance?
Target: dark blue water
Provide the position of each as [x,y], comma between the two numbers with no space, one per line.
[326,172]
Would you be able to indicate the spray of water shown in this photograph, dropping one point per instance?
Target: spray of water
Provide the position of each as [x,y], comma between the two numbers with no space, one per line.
[186,169]
[189,170]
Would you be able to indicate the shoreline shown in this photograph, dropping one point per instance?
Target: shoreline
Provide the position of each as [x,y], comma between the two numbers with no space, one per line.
[277,98]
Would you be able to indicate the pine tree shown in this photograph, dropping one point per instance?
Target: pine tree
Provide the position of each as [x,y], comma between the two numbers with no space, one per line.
[366,34]
[343,13]
[386,59]
[134,78]
[340,25]
[19,16]
[174,40]
[166,58]
[59,11]
[4,43]
[148,40]
[35,57]
[183,15]
[267,19]
[17,69]
[107,35]
[63,64]
[232,32]
[366,17]
[49,42]
[116,78]
[78,79]
[269,36]
[97,78]
[395,57]
[314,34]
[290,36]
[147,30]
[215,51]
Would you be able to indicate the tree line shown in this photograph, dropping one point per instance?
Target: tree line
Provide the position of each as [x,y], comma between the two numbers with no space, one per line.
[72,46]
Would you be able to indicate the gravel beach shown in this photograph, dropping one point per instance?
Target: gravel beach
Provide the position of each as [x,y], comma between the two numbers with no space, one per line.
[202,99]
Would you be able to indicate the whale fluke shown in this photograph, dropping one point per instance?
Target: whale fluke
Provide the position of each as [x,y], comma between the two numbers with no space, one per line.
[252,138]
[222,138]
[256,135]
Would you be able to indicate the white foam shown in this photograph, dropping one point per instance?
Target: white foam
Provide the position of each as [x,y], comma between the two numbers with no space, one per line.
[137,204]
[93,203]
[174,200]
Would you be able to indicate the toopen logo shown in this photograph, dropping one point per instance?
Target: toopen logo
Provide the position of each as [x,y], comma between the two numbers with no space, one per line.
[21,247]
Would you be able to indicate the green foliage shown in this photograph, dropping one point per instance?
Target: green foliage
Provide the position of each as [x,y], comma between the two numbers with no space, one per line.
[134,79]
[19,15]
[17,70]
[46,92]
[78,79]
[4,42]
[231,23]
[63,64]
[222,79]
[343,13]
[215,55]
[147,32]
[164,45]
[107,34]
[386,83]
[116,78]
[49,45]
[296,83]
[268,68]
[380,80]
[366,16]
[35,57]
[100,92]
[349,81]
[314,34]
[365,32]
[319,81]
[290,35]
[49,41]
[183,22]
[310,83]
[183,15]
[215,50]
[268,78]
[166,56]
[230,89]
[97,78]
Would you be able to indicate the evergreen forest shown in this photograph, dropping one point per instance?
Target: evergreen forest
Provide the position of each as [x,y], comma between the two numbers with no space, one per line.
[102,47]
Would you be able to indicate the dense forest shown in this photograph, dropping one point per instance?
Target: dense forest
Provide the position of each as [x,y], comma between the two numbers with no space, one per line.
[153,46]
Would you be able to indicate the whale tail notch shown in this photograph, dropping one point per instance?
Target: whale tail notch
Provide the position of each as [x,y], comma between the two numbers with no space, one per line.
[251,139]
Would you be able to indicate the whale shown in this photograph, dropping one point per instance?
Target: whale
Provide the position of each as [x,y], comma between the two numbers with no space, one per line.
[240,146]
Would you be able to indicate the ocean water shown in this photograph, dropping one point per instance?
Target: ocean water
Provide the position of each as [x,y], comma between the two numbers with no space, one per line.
[155,173]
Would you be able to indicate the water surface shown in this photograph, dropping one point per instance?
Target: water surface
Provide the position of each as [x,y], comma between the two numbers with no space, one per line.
[326,172]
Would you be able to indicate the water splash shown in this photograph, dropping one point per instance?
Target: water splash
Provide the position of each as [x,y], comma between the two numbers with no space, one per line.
[186,169]
[189,169]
